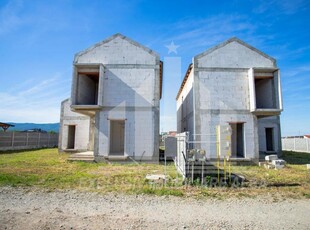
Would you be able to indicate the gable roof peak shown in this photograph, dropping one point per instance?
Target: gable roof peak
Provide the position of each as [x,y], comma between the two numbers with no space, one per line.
[77,55]
[235,39]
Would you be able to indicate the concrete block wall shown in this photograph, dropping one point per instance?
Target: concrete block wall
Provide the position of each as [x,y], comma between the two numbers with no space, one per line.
[269,122]
[226,90]
[221,95]
[208,123]
[135,87]
[139,132]
[233,55]
[130,83]
[185,107]
[82,129]
[116,51]
[223,98]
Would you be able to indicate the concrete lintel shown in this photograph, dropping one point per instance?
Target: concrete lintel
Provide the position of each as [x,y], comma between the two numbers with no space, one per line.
[86,107]
[75,118]
[131,66]
[264,69]
[130,108]
[269,121]
[224,111]
[267,112]
[217,69]
[87,65]
[88,110]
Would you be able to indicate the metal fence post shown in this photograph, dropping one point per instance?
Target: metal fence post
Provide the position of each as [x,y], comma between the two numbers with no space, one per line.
[39,140]
[13,136]
[27,139]
[48,139]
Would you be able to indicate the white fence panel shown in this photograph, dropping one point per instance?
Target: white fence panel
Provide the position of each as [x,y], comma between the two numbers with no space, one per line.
[296,144]
[180,160]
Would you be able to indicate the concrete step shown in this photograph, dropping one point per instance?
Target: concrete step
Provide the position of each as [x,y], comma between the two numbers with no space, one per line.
[84,159]
[117,158]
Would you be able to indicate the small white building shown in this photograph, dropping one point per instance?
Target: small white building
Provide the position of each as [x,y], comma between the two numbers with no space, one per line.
[232,83]
[114,105]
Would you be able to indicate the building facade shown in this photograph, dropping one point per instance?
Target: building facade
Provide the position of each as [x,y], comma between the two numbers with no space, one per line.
[116,89]
[232,83]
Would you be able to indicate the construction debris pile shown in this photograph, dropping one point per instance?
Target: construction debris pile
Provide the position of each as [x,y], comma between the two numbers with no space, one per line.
[272,162]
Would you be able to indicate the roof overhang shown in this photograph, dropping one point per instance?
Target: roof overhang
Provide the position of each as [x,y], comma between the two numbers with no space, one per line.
[160,78]
[190,67]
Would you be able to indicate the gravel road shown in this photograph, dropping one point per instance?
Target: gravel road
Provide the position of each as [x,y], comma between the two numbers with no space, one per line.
[22,208]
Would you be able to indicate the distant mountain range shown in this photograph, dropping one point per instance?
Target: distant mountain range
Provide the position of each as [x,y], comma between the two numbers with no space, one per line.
[25,126]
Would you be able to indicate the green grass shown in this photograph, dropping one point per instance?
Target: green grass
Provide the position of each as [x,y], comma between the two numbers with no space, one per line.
[296,157]
[47,169]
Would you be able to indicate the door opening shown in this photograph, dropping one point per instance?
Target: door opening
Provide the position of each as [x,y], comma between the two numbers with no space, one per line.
[117,137]
[237,140]
[269,139]
[71,137]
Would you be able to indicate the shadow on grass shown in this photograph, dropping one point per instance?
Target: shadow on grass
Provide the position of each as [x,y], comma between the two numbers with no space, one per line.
[297,158]
[213,176]
[24,150]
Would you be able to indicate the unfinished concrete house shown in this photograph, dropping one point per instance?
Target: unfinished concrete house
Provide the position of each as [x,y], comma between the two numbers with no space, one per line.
[232,83]
[114,105]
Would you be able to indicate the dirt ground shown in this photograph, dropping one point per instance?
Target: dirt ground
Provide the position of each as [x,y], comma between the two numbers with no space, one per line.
[22,208]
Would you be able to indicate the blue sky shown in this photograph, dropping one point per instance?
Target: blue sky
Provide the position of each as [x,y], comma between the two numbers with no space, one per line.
[38,40]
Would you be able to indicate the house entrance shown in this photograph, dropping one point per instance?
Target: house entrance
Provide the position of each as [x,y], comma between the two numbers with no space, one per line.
[269,139]
[117,137]
[71,137]
[237,140]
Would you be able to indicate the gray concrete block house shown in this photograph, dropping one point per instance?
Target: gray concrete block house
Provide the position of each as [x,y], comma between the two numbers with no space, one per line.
[232,83]
[114,106]
[113,111]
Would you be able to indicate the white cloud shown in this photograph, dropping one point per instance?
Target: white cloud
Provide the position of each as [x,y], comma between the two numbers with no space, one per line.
[199,34]
[44,114]
[276,7]
[38,103]
[9,18]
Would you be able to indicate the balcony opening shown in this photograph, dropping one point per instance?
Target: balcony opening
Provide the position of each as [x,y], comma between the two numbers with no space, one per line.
[87,88]
[264,90]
